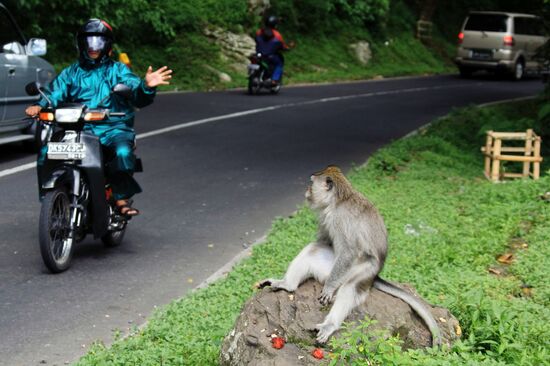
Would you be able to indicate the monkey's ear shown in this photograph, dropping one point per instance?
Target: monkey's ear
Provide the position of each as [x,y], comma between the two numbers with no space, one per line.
[329,183]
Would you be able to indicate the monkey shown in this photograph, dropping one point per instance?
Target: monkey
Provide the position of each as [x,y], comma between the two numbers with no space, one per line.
[348,255]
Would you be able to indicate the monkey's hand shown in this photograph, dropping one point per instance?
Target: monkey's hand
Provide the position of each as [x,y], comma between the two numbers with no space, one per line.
[326,296]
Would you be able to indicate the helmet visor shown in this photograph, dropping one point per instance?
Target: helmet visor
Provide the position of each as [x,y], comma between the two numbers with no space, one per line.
[95,43]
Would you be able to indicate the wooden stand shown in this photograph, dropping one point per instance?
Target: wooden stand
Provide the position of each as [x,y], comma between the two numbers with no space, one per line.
[528,155]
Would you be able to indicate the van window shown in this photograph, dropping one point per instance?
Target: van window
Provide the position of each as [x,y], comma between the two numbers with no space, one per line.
[528,26]
[8,33]
[486,22]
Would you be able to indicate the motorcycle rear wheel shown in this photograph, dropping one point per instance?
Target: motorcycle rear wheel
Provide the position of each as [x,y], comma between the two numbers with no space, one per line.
[113,238]
[254,85]
[275,89]
[56,245]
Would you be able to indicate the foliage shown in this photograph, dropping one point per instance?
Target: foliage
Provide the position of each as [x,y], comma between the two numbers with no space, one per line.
[430,183]
[136,22]
[326,16]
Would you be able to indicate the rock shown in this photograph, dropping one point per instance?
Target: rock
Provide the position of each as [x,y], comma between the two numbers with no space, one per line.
[294,316]
[361,51]
[222,76]
[258,7]
[234,46]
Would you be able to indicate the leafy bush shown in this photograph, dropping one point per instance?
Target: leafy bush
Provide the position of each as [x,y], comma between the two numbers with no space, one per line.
[326,16]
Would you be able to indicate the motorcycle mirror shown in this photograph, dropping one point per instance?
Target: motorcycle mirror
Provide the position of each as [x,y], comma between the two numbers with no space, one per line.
[33,88]
[123,91]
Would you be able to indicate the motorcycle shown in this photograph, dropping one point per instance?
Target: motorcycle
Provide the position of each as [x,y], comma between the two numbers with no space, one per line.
[259,75]
[76,198]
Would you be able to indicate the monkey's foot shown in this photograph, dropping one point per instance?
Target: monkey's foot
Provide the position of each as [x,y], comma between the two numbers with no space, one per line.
[264,283]
[325,331]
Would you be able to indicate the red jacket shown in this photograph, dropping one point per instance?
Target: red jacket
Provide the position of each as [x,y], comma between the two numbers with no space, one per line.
[276,34]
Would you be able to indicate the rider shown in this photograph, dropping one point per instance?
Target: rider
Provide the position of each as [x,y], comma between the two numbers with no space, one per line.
[90,81]
[270,43]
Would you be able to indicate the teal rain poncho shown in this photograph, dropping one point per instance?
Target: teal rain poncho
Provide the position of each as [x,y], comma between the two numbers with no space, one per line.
[89,84]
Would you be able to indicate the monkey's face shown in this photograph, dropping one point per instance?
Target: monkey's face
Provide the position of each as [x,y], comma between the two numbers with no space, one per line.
[319,194]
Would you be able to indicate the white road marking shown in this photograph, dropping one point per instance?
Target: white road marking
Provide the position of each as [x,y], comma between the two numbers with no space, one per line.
[17,169]
[21,168]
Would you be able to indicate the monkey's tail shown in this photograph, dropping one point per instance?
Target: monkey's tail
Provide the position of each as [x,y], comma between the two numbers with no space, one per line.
[414,303]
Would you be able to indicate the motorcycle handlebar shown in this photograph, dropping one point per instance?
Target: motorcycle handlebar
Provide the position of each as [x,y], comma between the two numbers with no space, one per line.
[117,114]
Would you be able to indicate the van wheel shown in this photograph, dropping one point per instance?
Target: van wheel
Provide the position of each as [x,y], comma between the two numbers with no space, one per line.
[465,72]
[519,70]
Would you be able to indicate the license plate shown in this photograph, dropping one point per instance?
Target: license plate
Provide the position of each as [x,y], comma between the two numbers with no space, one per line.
[482,55]
[66,151]
[253,67]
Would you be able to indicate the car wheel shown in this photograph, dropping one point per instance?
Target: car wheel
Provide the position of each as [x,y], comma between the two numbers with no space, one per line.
[465,72]
[519,70]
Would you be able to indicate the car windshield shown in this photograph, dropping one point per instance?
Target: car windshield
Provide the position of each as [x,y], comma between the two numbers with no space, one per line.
[486,22]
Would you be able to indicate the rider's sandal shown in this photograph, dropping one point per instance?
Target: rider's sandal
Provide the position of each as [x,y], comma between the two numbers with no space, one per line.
[129,212]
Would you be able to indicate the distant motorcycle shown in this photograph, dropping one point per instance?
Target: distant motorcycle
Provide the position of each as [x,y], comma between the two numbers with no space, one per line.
[76,198]
[259,75]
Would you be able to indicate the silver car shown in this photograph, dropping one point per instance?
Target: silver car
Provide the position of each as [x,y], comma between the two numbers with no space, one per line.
[20,64]
[500,42]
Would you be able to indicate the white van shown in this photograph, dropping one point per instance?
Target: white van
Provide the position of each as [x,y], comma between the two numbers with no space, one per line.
[500,42]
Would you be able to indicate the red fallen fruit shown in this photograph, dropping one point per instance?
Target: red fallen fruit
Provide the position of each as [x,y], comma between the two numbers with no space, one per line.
[318,353]
[278,342]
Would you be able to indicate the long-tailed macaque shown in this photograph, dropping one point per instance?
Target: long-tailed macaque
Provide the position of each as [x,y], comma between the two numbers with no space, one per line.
[348,255]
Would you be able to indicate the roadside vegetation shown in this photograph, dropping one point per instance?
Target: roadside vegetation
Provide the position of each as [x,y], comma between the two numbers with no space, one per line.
[477,248]
[171,33]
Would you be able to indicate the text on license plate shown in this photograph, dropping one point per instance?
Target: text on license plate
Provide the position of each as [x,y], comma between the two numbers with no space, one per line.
[66,150]
[482,55]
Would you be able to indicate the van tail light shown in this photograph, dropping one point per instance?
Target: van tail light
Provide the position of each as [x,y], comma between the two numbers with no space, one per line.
[460,37]
[46,116]
[508,40]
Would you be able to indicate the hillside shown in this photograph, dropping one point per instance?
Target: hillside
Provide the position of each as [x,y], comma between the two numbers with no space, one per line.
[179,34]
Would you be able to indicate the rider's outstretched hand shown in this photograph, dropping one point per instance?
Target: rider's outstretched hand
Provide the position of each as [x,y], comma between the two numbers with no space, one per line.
[159,77]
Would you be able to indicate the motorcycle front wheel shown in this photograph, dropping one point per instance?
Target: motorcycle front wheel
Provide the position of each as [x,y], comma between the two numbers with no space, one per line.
[56,245]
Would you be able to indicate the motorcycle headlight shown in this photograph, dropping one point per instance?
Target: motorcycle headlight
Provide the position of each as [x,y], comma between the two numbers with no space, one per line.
[68,115]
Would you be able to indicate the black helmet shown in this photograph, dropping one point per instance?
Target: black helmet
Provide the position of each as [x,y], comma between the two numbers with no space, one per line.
[271,21]
[95,35]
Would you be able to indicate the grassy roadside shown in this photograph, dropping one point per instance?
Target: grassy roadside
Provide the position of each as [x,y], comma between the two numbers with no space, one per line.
[447,227]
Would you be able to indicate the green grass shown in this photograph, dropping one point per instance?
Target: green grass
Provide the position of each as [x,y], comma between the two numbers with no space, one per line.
[431,182]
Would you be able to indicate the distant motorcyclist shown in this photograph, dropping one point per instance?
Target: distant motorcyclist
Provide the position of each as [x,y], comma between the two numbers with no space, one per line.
[270,44]
[89,81]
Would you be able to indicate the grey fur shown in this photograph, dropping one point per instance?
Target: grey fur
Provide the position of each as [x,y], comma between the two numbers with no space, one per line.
[348,255]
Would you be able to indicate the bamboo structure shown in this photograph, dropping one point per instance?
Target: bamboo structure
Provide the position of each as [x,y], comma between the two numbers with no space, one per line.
[495,153]
[424,30]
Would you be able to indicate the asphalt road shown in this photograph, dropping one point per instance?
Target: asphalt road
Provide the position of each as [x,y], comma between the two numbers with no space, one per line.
[211,188]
